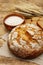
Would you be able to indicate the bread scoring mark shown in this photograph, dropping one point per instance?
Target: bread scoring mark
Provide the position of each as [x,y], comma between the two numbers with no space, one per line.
[26,47]
[14,35]
[32,29]
[16,44]
[22,42]
[30,32]
[34,26]
[35,45]
[38,35]
[40,42]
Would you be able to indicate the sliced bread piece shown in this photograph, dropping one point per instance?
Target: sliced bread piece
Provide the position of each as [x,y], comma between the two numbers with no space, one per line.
[35,19]
[40,24]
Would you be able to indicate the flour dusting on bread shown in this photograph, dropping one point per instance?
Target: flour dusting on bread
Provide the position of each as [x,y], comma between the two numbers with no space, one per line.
[26,40]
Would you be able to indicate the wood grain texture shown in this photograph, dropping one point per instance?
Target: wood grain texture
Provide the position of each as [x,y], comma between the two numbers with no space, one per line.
[12,61]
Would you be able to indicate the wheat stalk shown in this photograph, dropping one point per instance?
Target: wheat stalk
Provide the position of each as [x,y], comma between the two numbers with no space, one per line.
[29,8]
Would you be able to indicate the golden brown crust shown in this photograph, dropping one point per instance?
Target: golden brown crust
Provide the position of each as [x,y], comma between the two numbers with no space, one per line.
[32,55]
[35,18]
[28,21]
[24,41]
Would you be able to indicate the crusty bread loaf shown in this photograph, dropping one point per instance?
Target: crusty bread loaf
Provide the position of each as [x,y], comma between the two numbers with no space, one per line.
[41,18]
[40,23]
[28,21]
[25,41]
[35,20]
[12,61]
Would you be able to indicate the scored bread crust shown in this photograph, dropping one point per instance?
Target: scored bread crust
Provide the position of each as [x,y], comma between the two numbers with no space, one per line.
[25,41]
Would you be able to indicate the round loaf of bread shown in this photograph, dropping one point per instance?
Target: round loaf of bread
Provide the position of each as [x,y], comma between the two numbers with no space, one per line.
[26,41]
